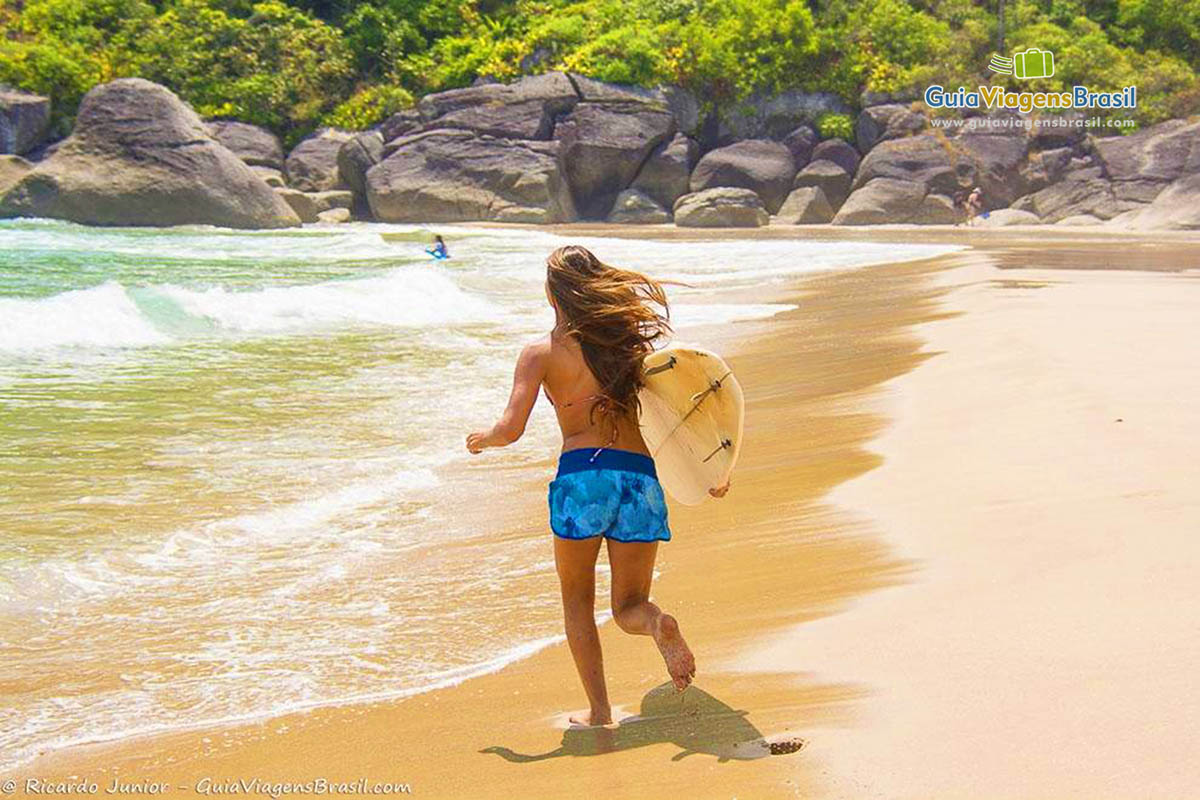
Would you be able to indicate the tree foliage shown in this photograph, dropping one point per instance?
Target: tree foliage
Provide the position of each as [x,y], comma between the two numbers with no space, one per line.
[292,65]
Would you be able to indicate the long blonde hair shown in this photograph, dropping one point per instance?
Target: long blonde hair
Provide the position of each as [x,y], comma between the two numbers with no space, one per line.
[608,311]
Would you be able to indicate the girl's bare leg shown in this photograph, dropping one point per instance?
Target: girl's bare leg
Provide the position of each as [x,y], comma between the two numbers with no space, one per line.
[575,560]
[632,570]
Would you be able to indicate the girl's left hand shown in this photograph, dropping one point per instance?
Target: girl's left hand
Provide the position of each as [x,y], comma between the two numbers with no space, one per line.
[476,442]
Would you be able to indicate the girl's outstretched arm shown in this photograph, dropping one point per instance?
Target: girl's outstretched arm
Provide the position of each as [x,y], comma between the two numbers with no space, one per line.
[531,370]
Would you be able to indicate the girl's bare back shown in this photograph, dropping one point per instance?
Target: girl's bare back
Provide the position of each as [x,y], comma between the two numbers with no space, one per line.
[573,390]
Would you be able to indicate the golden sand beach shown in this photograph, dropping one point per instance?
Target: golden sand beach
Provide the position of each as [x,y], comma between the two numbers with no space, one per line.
[957,560]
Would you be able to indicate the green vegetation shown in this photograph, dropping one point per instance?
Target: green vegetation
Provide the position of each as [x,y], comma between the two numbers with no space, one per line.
[294,65]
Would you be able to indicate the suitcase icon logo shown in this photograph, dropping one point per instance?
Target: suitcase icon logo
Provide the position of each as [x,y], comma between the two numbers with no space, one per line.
[1031,63]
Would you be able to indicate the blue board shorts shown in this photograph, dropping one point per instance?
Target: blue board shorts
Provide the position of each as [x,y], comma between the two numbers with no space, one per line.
[613,493]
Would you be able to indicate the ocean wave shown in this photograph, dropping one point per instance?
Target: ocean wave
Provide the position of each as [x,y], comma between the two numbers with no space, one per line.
[103,316]
[115,316]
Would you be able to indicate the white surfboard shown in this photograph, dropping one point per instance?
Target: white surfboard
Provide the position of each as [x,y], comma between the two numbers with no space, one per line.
[692,418]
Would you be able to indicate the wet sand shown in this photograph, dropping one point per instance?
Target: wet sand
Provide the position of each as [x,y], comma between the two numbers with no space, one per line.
[944,564]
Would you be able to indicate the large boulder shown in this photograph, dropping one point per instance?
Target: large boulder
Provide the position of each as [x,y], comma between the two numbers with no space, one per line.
[723,207]
[12,169]
[1004,217]
[935,209]
[880,201]
[312,166]
[1084,191]
[525,109]
[1176,208]
[606,138]
[310,205]
[1142,164]
[140,156]
[930,162]
[839,152]
[891,121]
[1081,192]
[833,181]
[257,146]
[664,176]
[998,153]
[1046,167]
[760,165]
[354,159]
[453,175]
[801,142]
[635,207]
[24,118]
[806,206]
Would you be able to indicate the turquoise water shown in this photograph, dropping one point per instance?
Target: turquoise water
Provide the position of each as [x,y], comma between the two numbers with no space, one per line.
[224,461]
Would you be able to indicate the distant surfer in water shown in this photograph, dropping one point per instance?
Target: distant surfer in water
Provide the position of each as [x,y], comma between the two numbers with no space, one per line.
[438,250]
[606,487]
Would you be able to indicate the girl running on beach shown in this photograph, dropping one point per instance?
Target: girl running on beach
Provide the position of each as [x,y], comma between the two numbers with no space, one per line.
[590,365]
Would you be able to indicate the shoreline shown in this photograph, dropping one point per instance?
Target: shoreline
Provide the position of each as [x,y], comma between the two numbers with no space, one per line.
[530,480]
[860,331]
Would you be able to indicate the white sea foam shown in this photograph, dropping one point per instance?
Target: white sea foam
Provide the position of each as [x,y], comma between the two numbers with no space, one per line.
[104,316]
[405,297]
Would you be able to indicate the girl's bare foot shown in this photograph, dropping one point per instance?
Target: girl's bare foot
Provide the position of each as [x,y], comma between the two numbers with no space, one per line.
[593,717]
[681,664]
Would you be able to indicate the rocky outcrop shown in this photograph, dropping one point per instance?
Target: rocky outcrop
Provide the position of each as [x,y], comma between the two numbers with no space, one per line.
[256,146]
[935,209]
[457,175]
[12,169]
[664,176]
[806,206]
[833,181]
[839,152]
[1176,208]
[725,207]
[635,207]
[1046,167]
[400,124]
[525,109]
[354,159]
[606,138]
[1084,191]
[312,166]
[997,155]
[880,123]
[931,163]
[140,156]
[24,119]
[762,166]
[310,205]
[881,200]
[1141,164]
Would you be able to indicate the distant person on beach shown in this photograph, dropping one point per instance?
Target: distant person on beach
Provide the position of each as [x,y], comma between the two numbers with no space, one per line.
[974,204]
[438,250]
[606,488]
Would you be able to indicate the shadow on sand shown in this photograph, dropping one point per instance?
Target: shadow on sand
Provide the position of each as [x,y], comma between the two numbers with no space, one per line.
[693,720]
